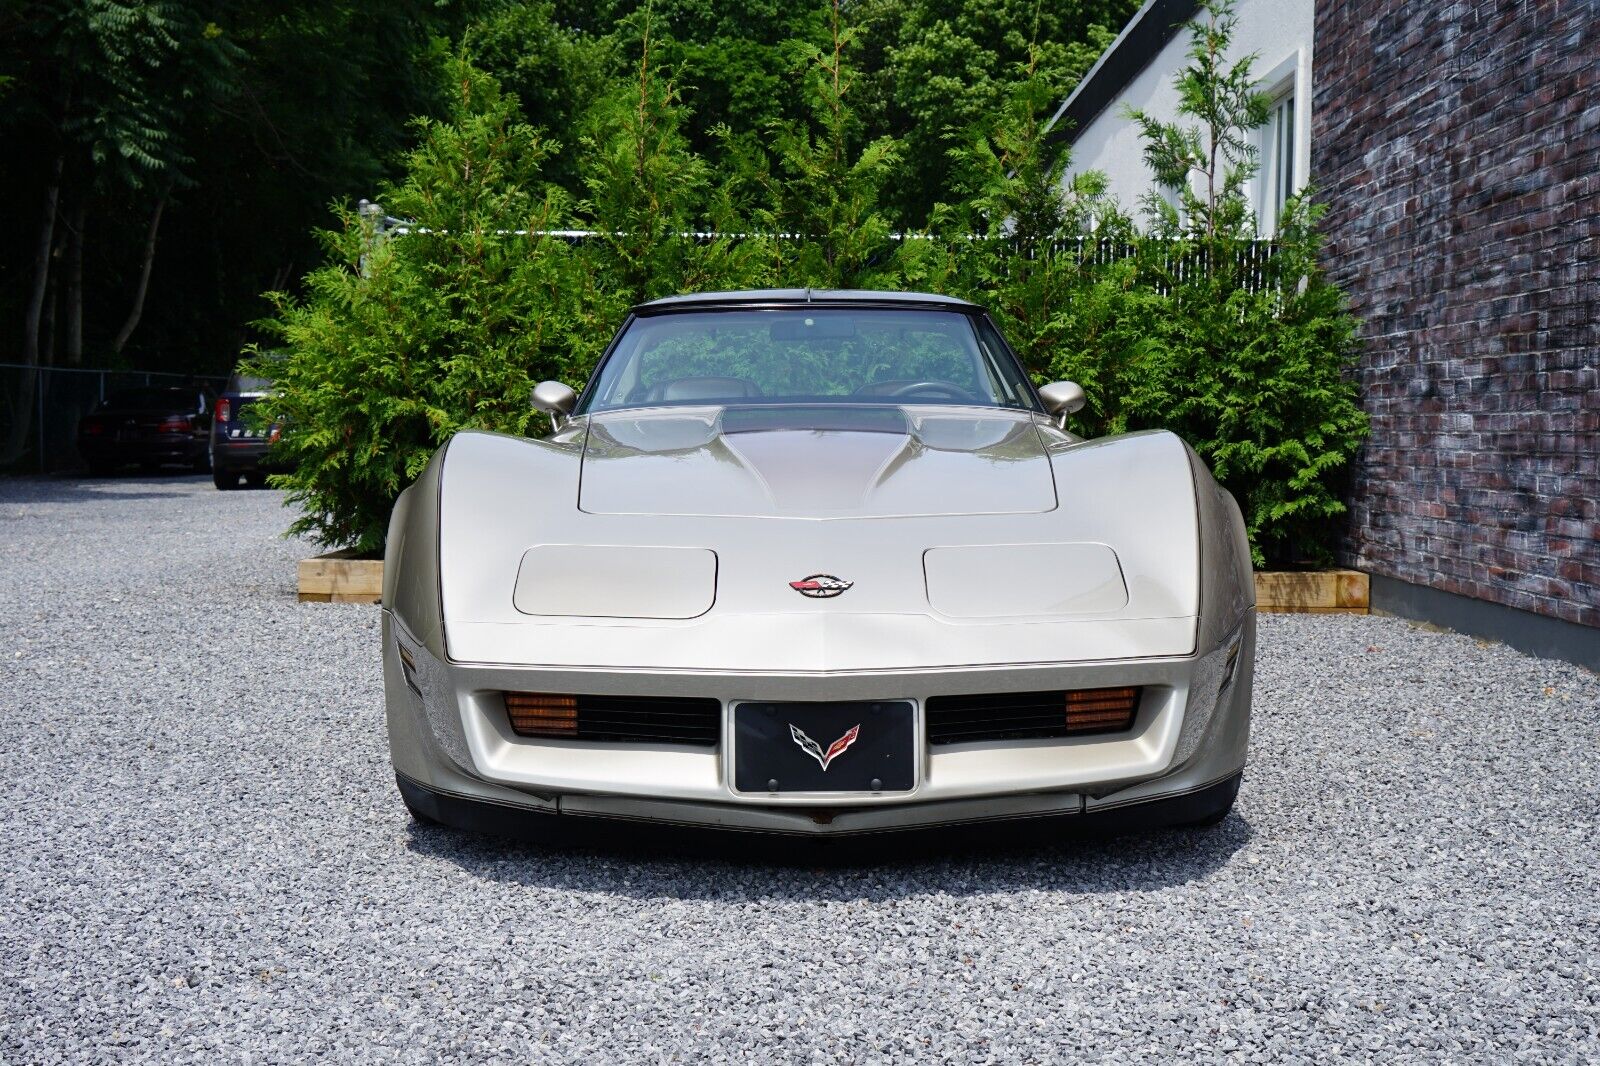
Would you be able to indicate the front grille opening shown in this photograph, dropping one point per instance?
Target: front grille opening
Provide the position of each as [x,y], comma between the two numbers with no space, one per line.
[623,719]
[1030,715]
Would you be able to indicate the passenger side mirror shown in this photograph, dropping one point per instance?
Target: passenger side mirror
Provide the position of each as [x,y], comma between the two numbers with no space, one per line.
[556,400]
[1062,398]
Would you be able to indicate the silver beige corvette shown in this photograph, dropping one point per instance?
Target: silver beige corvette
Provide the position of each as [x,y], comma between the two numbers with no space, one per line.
[821,564]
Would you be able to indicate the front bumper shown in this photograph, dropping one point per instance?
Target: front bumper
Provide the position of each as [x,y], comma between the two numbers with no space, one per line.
[454,751]
[243,456]
[677,827]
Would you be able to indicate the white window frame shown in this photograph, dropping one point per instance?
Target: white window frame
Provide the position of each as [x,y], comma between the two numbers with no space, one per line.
[1276,177]
[1282,144]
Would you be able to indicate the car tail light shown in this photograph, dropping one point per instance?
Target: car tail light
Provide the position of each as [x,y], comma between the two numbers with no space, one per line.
[224,410]
[92,427]
[541,714]
[274,433]
[1101,710]
[177,424]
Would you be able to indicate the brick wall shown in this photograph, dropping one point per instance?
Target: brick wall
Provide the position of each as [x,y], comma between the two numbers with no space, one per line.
[1457,146]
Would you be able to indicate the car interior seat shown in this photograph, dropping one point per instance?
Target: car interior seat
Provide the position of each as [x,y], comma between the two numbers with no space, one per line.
[702,389]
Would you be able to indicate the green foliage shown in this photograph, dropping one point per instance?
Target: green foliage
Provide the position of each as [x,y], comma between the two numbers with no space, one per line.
[555,71]
[732,60]
[1193,326]
[1216,153]
[925,72]
[827,187]
[1250,371]
[130,71]
[244,120]
[934,71]
[401,342]
[1240,348]
[649,193]
[1031,259]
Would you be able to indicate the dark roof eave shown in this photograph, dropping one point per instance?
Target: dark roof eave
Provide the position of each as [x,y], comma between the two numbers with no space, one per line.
[1140,41]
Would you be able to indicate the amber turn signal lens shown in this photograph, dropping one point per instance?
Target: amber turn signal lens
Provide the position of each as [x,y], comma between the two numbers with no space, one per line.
[541,714]
[1101,710]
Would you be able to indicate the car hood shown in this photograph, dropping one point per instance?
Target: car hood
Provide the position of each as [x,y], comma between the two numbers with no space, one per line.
[817,463]
[524,577]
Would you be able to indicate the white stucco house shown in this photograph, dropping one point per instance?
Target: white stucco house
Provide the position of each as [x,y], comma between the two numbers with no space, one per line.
[1138,70]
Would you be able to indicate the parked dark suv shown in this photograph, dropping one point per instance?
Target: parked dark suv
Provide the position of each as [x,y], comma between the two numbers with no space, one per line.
[238,448]
[151,426]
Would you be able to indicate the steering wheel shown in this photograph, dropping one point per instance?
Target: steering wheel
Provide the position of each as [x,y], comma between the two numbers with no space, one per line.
[954,392]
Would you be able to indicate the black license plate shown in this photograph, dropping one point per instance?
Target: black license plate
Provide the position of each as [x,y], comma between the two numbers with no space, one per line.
[825,747]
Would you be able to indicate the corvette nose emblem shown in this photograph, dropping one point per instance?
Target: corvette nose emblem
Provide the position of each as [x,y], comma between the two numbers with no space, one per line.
[813,749]
[820,586]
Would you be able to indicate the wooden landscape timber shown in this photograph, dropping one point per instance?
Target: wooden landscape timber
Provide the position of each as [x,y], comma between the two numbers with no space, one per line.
[338,578]
[1313,592]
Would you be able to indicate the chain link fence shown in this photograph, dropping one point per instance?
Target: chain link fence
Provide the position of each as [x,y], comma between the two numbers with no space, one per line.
[40,407]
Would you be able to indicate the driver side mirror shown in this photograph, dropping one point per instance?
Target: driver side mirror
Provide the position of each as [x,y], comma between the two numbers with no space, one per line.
[555,400]
[1062,398]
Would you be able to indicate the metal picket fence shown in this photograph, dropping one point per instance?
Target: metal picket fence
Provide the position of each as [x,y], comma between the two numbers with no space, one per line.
[1252,260]
[40,407]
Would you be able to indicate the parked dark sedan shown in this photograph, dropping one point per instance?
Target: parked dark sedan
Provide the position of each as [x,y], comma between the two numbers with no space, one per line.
[151,427]
[238,446]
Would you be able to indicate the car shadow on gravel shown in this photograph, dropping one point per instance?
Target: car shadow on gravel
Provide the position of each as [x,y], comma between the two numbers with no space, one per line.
[956,862]
[87,489]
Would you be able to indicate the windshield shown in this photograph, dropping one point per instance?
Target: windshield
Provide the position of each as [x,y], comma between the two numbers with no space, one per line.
[809,355]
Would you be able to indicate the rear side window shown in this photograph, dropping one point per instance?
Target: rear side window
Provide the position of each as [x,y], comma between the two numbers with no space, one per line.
[241,383]
[145,399]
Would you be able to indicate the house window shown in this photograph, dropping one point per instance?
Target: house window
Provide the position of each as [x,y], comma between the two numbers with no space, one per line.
[1277,164]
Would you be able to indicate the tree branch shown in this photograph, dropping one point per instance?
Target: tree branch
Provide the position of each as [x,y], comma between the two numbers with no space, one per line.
[137,310]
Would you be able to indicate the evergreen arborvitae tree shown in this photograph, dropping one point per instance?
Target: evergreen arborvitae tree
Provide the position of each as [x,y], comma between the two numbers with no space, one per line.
[824,192]
[1247,351]
[1025,233]
[1207,164]
[400,342]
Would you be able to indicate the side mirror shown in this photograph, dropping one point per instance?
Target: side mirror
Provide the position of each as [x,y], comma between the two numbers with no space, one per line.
[1062,398]
[555,399]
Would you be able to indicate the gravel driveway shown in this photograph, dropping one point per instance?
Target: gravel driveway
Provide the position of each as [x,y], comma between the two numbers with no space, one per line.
[204,857]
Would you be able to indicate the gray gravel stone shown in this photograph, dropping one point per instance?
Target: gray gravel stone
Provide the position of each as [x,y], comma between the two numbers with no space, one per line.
[204,858]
